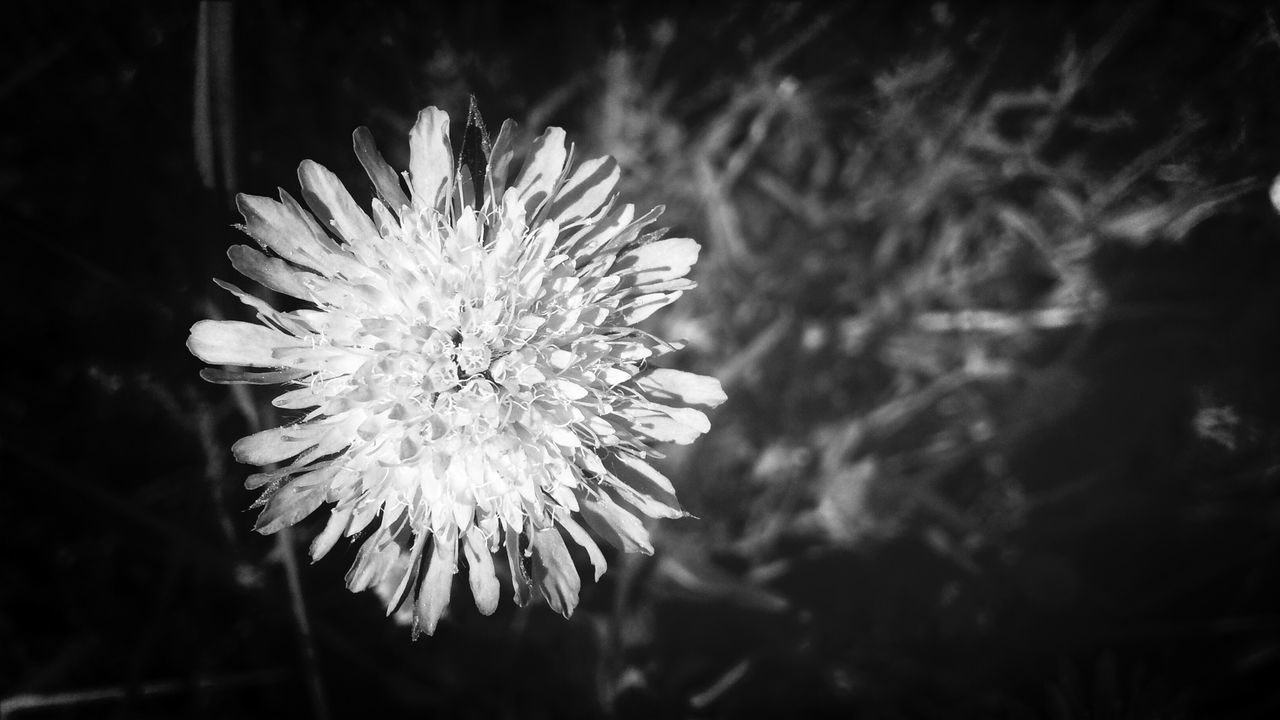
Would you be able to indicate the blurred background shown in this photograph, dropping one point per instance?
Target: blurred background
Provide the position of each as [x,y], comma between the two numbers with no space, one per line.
[994,293]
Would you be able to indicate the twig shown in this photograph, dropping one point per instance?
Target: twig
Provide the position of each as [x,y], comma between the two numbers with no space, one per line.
[11,706]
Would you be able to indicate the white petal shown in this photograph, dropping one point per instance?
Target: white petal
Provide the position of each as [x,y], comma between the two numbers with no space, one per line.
[664,385]
[484,580]
[433,596]
[271,273]
[384,178]
[231,342]
[622,529]
[581,537]
[678,425]
[659,261]
[646,488]
[333,205]
[333,530]
[277,444]
[554,572]
[586,190]
[542,171]
[294,501]
[430,159]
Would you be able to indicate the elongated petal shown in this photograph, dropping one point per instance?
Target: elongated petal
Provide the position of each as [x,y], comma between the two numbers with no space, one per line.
[619,527]
[677,425]
[431,159]
[329,200]
[553,571]
[665,385]
[412,567]
[433,596]
[586,190]
[580,536]
[293,502]
[484,580]
[333,530]
[644,487]
[224,376]
[659,261]
[542,171]
[276,444]
[500,157]
[385,180]
[519,578]
[231,342]
[271,273]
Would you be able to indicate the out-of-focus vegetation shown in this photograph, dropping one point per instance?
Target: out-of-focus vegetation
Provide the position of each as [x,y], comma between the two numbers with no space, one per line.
[994,297]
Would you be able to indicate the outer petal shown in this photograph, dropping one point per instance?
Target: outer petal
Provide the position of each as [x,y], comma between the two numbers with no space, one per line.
[541,173]
[294,501]
[271,273]
[339,517]
[433,596]
[484,581]
[276,444]
[231,342]
[553,571]
[586,190]
[622,529]
[430,159]
[519,579]
[385,180]
[686,388]
[278,227]
[664,424]
[329,200]
[658,261]
[644,487]
[500,157]
[581,537]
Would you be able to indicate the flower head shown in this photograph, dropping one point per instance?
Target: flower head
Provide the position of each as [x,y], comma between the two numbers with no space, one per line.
[467,372]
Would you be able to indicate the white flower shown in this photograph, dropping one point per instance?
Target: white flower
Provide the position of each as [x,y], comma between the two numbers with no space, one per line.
[469,377]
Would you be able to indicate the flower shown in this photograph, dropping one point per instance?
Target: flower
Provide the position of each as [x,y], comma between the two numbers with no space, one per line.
[467,372]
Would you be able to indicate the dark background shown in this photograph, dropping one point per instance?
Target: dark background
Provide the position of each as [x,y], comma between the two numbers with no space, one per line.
[994,294]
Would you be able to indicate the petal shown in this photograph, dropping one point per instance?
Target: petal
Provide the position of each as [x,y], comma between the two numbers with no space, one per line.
[667,385]
[277,444]
[433,595]
[484,581]
[581,537]
[644,487]
[412,567]
[678,425]
[231,342]
[271,273]
[375,557]
[519,577]
[224,376]
[282,229]
[585,241]
[622,529]
[333,205]
[645,305]
[541,173]
[586,190]
[430,159]
[553,571]
[294,501]
[658,261]
[385,180]
[333,530]
[500,157]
